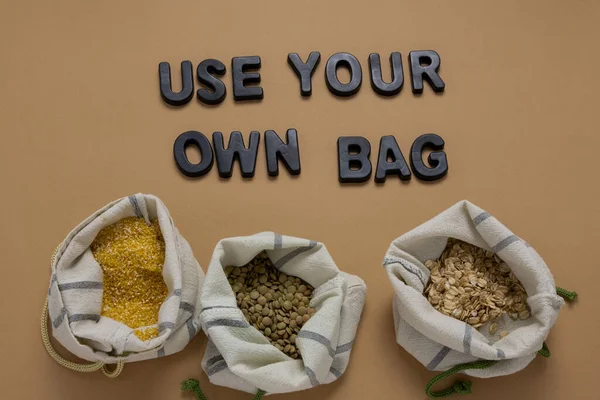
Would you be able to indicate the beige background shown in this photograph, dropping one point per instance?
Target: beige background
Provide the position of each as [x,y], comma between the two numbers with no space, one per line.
[82,123]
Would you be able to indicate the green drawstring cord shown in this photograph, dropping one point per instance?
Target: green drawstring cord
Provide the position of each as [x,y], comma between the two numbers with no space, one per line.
[459,387]
[192,385]
[464,387]
[545,352]
[567,295]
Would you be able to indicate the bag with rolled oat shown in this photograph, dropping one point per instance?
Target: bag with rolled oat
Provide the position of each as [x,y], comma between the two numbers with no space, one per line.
[124,287]
[470,296]
[279,314]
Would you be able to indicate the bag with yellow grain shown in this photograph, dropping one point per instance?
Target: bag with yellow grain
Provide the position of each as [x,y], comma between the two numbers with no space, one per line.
[124,287]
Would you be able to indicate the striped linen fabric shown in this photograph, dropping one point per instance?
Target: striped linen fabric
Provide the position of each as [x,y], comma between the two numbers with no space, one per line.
[75,291]
[240,357]
[441,342]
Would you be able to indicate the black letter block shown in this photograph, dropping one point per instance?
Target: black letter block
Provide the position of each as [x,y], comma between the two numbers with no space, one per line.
[436,159]
[428,72]
[236,150]
[343,60]
[377,82]
[193,138]
[240,66]
[187,86]
[388,148]
[305,71]
[217,91]
[353,159]
[288,153]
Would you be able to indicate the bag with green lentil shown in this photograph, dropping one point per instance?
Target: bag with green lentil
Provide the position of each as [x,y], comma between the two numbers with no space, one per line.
[279,314]
[124,287]
[470,296]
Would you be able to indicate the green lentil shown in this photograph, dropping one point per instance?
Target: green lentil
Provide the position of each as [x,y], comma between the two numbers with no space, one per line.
[273,302]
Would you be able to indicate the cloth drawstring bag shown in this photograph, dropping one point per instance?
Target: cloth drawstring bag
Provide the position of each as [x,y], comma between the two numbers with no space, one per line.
[240,357]
[443,343]
[74,299]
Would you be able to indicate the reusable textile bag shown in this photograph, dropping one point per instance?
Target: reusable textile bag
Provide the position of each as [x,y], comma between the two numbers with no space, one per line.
[74,298]
[240,357]
[443,343]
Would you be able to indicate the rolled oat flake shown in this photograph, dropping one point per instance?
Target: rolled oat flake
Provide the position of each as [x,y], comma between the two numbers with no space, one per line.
[475,286]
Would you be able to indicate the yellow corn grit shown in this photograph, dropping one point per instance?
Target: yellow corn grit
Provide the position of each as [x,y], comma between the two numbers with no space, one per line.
[131,254]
